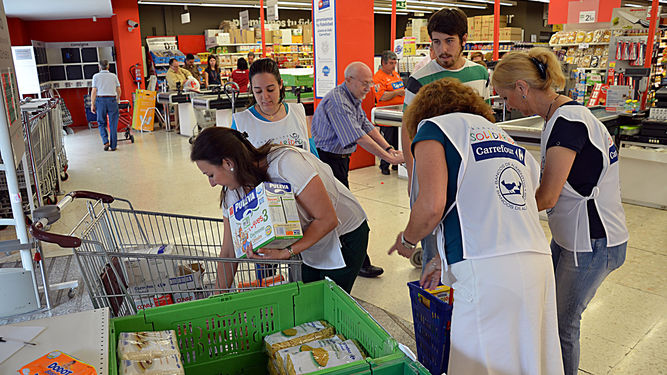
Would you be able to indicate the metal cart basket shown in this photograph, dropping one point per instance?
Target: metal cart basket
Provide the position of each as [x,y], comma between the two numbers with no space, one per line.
[131,260]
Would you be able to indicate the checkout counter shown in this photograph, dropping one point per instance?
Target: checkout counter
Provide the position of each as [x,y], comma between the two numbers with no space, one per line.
[642,164]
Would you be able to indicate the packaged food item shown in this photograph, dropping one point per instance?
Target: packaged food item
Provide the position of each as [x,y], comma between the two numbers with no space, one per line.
[585,61]
[266,216]
[571,52]
[597,36]
[323,358]
[571,37]
[281,355]
[589,37]
[300,334]
[569,60]
[167,365]
[603,62]
[555,39]
[606,35]
[595,60]
[581,36]
[57,362]
[140,346]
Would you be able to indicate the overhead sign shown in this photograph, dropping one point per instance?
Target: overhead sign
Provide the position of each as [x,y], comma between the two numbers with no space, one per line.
[324,19]
[401,4]
[587,16]
[245,20]
[272,10]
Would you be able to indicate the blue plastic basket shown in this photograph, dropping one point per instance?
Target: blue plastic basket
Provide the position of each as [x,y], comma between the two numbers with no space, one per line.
[431,328]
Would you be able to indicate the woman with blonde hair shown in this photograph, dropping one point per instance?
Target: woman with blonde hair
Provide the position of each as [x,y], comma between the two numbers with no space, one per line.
[579,186]
[475,186]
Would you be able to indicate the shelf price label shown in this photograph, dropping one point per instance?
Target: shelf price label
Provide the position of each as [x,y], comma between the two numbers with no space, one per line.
[583,45]
[587,16]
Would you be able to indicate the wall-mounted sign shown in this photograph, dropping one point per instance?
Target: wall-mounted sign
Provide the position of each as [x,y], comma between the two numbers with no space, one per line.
[326,74]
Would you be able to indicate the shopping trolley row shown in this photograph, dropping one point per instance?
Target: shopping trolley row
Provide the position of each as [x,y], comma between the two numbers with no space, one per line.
[131,259]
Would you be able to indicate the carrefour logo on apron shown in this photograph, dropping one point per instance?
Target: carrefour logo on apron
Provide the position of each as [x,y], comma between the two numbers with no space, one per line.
[498,149]
[613,154]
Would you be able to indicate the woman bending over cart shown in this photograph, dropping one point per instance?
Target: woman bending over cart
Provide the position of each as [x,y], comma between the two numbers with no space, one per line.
[335,236]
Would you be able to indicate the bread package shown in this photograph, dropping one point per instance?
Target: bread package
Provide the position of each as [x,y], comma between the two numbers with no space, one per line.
[139,346]
[167,365]
[581,36]
[281,355]
[300,334]
[323,358]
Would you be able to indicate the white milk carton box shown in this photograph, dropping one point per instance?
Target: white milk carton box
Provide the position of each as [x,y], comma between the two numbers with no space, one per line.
[266,217]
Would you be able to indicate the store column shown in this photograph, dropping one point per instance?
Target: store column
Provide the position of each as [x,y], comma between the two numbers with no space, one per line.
[343,32]
[127,44]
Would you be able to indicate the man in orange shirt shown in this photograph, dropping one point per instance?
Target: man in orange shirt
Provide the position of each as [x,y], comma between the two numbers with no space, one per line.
[389,90]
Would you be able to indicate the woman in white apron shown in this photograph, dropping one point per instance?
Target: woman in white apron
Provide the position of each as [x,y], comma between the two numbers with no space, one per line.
[475,186]
[269,119]
[335,232]
[579,186]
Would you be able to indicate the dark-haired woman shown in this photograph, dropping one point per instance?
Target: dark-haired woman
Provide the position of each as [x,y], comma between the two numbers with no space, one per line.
[579,187]
[240,74]
[335,236]
[212,72]
[270,118]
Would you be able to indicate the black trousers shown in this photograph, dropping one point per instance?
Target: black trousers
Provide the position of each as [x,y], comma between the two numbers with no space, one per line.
[340,165]
[390,134]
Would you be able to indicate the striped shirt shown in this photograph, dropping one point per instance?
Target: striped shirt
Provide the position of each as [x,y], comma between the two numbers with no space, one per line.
[471,74]
[339,121]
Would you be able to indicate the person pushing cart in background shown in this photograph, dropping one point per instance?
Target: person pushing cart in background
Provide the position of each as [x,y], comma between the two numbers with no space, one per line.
[104,101]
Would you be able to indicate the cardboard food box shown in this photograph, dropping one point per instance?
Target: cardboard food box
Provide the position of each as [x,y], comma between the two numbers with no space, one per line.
[267,216]
[223,38]
[423,35]
[511,33]
[235,36]
[248,36]
[307,32]
[286,36]
[277,36]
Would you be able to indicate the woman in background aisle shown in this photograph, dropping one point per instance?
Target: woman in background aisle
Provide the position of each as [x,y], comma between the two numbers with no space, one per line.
[212,72]
[475,186]
[240,75]
[270,119]
[335,231]
[579,187]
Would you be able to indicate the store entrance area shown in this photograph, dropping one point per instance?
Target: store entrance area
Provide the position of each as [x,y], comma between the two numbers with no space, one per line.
[622,330]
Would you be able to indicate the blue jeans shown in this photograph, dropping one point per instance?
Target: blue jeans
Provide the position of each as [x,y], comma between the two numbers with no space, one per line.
[576,286]
[107,105]
[429,250]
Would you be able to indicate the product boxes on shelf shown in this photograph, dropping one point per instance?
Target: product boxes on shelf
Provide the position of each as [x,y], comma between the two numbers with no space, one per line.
[423,35]
[286,36]
[277,36]
[210,35]
[307,32]
[267,215]
[223,38]
[511,33]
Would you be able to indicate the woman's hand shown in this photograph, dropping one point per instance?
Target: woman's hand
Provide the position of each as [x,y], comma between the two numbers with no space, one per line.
[431,274]
[402,250]
[265,253]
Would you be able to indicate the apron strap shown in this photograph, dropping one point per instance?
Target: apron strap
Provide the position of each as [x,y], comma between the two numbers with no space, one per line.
[580,209]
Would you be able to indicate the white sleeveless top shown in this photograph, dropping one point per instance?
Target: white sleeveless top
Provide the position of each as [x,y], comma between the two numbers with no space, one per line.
[495,198]
[297,168]
[291,130]
[568,219]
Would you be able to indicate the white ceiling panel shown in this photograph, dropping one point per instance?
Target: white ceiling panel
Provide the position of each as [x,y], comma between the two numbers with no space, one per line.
[57,9]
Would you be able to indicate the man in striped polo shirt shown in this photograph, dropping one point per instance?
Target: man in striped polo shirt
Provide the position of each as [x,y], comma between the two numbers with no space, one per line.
[448,29]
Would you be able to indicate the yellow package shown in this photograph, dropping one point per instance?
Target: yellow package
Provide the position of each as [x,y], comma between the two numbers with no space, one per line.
[281,355]
[168,365]
[300,334]
[57,362]
[140,346]
[323,358]
[580,36]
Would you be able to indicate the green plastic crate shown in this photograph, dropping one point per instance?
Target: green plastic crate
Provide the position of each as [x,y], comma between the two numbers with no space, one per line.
[297,80]
[396,364]
[223,335]
[304,95]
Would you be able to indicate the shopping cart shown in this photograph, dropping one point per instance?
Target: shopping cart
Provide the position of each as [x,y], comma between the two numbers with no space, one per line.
[131,260]
[125,119]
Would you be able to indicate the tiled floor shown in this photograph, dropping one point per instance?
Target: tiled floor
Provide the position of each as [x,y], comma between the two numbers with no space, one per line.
[623,329]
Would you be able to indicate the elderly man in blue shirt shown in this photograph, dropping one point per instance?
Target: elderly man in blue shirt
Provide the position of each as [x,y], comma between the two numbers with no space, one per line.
[340,124]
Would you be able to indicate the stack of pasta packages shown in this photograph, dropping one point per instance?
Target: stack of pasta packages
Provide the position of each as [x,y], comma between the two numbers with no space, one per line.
[309,347]
[149,353]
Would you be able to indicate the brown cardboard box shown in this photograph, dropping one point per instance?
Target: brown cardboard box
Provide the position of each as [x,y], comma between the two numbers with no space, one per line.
[307,32]
[423,35]
[511,33]
[277,36]
[235,36]
[408,31]
[248,36]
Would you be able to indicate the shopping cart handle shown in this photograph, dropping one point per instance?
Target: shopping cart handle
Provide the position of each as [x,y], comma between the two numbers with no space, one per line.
[61,240]
[105,198]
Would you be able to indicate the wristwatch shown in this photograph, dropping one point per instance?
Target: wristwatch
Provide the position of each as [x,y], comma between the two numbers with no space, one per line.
[407,244]
[291,252]
[389,148]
